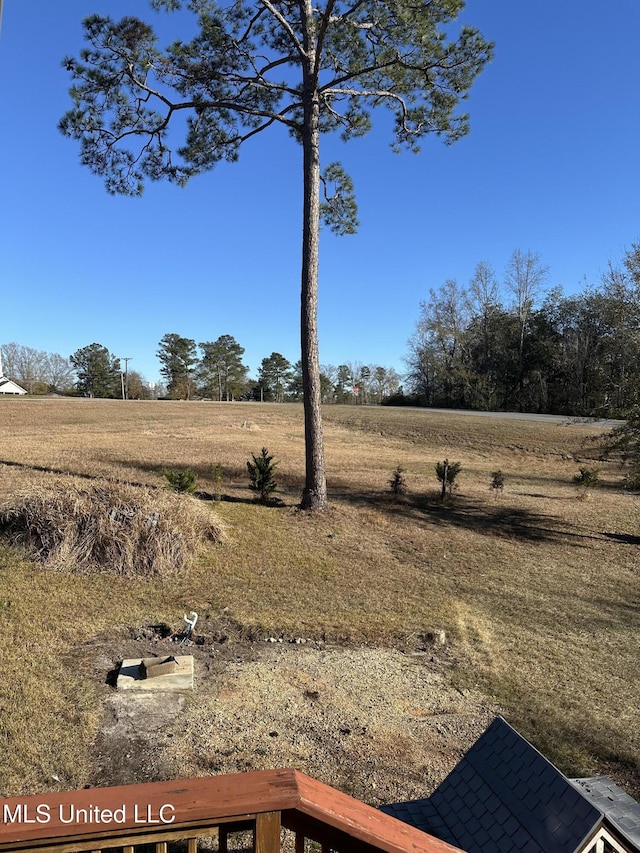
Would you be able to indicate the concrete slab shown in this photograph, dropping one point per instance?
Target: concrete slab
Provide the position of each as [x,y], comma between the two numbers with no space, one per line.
[131,677]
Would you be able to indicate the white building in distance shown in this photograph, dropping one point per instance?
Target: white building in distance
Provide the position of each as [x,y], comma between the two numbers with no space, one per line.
[7,386]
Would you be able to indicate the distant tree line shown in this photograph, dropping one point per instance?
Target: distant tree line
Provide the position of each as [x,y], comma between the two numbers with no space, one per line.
[211,370]
[36,371]
[91,371]
[538,352]
[214,370]
[492,346]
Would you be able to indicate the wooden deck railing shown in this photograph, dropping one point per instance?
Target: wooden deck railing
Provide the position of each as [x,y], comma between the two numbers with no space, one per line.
[189,811]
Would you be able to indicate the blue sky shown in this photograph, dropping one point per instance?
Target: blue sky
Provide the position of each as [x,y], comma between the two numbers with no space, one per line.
[551,165]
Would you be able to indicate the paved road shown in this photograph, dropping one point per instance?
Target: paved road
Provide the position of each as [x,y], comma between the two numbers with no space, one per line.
[605,423]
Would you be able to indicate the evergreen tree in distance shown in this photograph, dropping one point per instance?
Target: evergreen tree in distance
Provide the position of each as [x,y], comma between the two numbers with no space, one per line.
[274,376]
[178,358]
[222,374]
[312,68]
[97,370]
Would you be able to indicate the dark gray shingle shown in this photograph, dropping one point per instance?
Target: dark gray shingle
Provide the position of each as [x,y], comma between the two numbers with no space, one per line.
[520,801]
[614,803]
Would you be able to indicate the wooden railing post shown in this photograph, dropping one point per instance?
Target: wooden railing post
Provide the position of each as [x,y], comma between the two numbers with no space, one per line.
[267,835]
[222,839]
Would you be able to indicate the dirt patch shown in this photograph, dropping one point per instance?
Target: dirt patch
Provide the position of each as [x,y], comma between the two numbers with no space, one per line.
[381,724]
[135,734]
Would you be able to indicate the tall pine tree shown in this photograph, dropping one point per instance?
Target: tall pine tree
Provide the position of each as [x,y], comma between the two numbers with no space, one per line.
[311,67]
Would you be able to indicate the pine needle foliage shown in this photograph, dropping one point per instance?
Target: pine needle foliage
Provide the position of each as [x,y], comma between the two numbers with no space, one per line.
[398,483]
[262,475]
[181,480]
[447,472]
[587,479]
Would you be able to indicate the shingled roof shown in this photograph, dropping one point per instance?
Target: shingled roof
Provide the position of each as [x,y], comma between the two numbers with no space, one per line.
[506,797]
[615,804]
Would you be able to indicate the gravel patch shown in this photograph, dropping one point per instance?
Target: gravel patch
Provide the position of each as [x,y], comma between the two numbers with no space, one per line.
[380,724]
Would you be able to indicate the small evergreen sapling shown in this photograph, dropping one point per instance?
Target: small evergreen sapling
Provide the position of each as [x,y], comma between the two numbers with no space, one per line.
[217,482]
[181,479]
[447,472]
[497,482]
[262,475]
[586,480]
[398,483]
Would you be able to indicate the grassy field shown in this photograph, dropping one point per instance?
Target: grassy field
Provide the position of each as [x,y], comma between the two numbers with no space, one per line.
[538,589]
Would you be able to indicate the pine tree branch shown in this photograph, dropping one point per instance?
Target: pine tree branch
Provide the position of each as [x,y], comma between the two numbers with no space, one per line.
[250,25]
[324,23]
[286,26]
[352,75]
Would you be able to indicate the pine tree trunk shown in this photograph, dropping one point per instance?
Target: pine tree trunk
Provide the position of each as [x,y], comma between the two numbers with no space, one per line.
[314,496]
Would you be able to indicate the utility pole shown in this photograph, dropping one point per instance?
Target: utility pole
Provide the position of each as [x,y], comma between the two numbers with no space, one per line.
[125,387]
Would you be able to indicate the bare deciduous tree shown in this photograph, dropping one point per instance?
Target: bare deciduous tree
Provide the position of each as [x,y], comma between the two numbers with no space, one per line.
[525,278]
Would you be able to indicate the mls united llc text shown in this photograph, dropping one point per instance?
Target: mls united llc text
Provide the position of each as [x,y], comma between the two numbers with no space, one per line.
[67,813]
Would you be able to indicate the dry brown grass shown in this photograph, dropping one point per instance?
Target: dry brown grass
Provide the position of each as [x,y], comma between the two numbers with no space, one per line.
[103,526]
[539,591]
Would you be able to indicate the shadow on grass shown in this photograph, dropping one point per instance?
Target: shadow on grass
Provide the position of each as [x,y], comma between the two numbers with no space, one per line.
[273,502]
[82,475]
[204,471]
[522,480]
[541,495]
[477,516]
[234,476]
[503,521]
[161,486]
[625,538]
[200,495]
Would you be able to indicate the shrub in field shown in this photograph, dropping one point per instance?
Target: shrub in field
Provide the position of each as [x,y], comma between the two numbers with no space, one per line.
[624,440]
[262,475]
[447,472]
[398,483]
[587,479]
[632,479]
[497,481]
[181,479]
[106,526]
[217,482]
